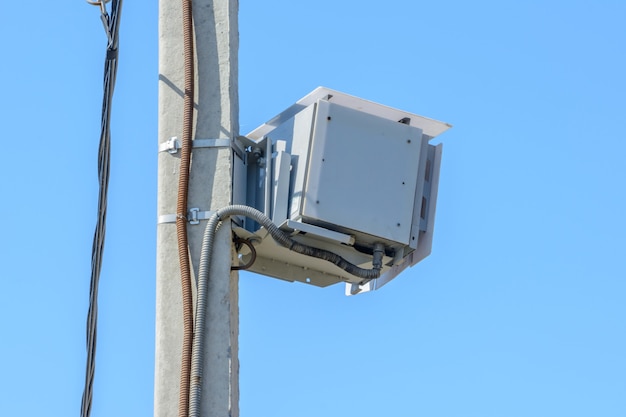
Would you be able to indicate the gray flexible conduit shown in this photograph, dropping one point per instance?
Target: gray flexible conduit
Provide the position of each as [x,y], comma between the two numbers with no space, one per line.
[197,356]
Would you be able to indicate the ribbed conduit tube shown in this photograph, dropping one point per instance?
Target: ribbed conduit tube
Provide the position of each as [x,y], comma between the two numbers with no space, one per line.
[181,210]
[197,357]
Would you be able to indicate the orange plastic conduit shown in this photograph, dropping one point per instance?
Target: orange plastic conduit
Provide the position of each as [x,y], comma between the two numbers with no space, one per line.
[181,210]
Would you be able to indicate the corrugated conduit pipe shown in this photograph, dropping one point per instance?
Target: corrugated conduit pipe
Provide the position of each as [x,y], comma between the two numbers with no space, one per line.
[197,356]
[181,210]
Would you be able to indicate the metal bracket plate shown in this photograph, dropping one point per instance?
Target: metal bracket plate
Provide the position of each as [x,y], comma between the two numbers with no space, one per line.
[321,232]
[173,144]
[194,215]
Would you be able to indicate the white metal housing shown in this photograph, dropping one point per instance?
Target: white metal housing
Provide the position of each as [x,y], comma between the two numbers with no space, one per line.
[341,173]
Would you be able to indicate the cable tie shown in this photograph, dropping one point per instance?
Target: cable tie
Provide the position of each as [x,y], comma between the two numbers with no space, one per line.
[111,54]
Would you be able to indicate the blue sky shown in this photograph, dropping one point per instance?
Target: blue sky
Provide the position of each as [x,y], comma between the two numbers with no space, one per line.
[519,310]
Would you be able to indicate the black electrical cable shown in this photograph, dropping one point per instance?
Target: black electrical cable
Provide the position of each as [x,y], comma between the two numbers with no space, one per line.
[239,241]
[111,26]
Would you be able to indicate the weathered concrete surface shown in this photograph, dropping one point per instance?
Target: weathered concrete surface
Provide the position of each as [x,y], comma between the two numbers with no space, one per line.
[216,116]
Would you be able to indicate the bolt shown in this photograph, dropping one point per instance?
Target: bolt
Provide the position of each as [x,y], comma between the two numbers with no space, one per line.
[328,118]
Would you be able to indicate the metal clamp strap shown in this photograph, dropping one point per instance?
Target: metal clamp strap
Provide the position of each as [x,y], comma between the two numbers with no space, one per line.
[194,215]
[173,145]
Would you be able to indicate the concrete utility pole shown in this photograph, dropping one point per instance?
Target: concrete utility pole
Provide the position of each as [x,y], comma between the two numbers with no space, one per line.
[216,117]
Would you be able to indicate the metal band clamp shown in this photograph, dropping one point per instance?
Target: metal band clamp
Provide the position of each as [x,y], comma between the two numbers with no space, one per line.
[173,145]
[194,215]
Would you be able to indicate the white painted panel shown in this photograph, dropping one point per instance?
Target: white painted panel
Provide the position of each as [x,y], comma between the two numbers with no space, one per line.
[280,194]
[362,172]
[430,127]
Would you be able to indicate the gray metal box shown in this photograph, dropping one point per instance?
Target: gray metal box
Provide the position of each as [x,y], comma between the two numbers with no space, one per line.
[341,173]
[361,174]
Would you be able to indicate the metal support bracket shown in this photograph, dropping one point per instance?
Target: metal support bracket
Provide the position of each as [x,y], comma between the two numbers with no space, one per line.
[194,215]
[173,145]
